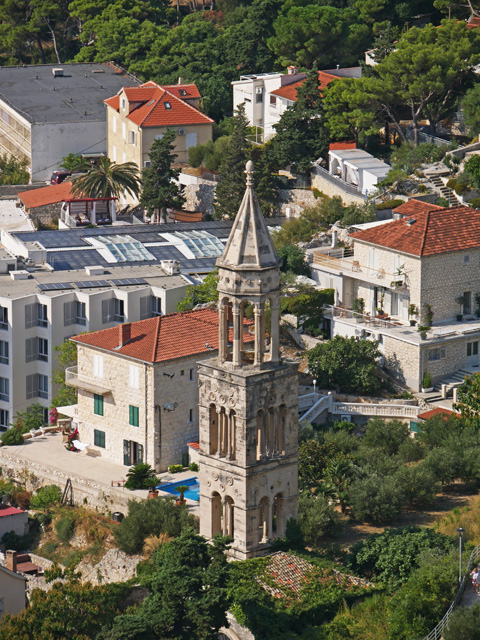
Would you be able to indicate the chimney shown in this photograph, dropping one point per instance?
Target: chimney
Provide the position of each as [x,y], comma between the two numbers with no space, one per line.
[12,560]
[292,71]
[124,333]
[338,66]
[334,238]
[180,80]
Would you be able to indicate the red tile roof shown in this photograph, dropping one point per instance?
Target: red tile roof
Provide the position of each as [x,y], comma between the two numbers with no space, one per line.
[413,206]
[191,90]
[473,23]
[289,91]
[9,511]
[339,146]
[432,232]
[194,445]
[438,411]
[46,195]
[163,338]
[152,111]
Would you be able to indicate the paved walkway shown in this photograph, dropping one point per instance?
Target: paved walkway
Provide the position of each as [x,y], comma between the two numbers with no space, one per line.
[469,596]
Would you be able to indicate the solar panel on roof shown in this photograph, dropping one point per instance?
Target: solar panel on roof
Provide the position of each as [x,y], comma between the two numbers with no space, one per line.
[55,286]
[128,281]
[88,284]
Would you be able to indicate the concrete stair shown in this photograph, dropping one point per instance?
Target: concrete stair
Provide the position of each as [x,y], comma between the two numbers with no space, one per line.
[455,380]
[445,191]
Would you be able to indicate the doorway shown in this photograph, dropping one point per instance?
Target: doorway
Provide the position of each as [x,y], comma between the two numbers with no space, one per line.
[472,354]
[132,453]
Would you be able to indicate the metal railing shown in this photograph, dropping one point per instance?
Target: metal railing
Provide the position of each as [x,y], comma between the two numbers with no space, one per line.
[369,321]
[393,280]
[426,137]
[437,632]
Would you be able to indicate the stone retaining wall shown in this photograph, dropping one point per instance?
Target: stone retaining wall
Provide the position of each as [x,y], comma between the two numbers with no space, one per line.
[329,189]
[295,199]
[199,197]
[45,215]
[85,492]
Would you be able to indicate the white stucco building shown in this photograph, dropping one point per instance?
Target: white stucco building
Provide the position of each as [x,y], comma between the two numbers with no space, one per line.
[358,168]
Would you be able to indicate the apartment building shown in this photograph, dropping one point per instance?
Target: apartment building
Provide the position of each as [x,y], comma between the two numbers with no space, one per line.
[48,111]
[136,116]
[56,284]
[138,386]
[418,270]
[267,95]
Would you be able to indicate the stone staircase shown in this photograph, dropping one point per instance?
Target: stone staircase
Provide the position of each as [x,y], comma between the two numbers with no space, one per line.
[445,191]
[455,380]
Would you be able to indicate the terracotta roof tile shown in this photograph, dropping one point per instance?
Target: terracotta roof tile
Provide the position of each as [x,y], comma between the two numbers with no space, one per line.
[152,111]
[339,146]
[163,338]
[414,206]
[194,445]
[289,91]
[473,23]
[46,195]
[191,90]
[9,511]
[438,411]
[431,232]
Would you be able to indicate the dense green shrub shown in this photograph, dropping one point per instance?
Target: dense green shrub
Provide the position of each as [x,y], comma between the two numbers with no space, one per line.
[151,517]
[389,204]
[464,624]
[460,189]
[418,484]
[388,436]
[175,468]
[193,466]
[316,518]
[139,476]
[475,202]
[46,497]
[391,556]
[452,183]
[293,259]
[376,499]
[65,528]
[12,436]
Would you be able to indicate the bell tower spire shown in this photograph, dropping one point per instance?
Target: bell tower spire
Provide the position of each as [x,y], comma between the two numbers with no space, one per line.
[248,398]
[249,273]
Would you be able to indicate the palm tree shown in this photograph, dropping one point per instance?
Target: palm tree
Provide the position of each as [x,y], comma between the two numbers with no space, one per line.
[108,179]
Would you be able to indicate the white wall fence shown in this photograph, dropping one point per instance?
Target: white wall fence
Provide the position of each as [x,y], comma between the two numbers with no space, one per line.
[311,405]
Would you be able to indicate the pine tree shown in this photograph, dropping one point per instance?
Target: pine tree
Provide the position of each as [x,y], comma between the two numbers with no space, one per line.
[230,190]
[159,187]
[301,135]
[264,179]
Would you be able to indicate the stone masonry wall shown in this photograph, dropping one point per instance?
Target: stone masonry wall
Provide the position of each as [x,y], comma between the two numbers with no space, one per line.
[331,190]
[45,215]
[295,199]
[456,353]
[402,360]
[199,197]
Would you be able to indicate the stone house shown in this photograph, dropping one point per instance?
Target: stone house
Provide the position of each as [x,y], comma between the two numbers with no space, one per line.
[13,519]
[136,116]
[13,587]
[429,259]
[138,387]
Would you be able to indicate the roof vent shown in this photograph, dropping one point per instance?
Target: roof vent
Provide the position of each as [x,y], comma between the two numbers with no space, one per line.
[95,270]
[98,70]
[410,221]
[19,275]
[171,267]
[57,72]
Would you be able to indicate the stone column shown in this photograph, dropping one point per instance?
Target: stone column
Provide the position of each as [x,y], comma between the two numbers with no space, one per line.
[232,436]
[259,337]
[113,210]
[225,515]
[223,332]
[93,213]
[219,427]
[237,337]
[274,333]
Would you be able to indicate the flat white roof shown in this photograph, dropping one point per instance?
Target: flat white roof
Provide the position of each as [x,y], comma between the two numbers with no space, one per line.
[347,154]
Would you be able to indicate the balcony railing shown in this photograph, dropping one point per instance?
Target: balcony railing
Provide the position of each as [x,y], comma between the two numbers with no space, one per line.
[87,384]
[353,268]
[361,318]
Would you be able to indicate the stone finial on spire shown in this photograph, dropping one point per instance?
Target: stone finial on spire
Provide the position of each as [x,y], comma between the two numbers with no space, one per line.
[249,170]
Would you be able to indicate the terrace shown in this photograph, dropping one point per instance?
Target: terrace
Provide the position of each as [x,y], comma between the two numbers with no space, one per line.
[339,264]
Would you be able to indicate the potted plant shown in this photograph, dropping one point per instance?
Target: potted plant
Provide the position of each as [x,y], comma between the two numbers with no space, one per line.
[460,301]
[412,312]
[358,308]
[422,330]
[139,476]
[181,490]
[427,383]
[428,315]
[151,484]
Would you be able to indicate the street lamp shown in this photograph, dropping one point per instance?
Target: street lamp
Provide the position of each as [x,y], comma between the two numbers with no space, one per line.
[460,534]
[314,385]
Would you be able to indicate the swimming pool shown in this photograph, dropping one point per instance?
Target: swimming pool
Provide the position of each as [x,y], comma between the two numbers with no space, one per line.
[192,493]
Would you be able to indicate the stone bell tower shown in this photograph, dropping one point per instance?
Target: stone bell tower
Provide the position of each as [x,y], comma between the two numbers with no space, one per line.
[248,398]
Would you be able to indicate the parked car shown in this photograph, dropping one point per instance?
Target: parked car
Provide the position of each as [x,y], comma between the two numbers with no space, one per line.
[59,176]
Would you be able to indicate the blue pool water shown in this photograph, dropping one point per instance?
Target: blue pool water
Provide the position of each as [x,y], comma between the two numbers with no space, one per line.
[192,493]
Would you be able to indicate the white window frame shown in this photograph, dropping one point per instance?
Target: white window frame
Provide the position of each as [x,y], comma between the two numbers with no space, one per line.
[4,352]
[133,376]
[434,355]
[4,389]
[114,124]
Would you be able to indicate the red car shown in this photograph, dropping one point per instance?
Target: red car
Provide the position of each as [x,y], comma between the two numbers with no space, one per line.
[59,176]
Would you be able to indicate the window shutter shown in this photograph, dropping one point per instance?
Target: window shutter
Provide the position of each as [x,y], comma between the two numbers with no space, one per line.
[68,313]
[139,453]
[126,452]
[31,349]
[145,307]
[32,385]
[30,315]
[105,311]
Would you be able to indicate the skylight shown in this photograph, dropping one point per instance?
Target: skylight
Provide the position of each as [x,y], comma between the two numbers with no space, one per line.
[120,249]
[167,105]
[201,243]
